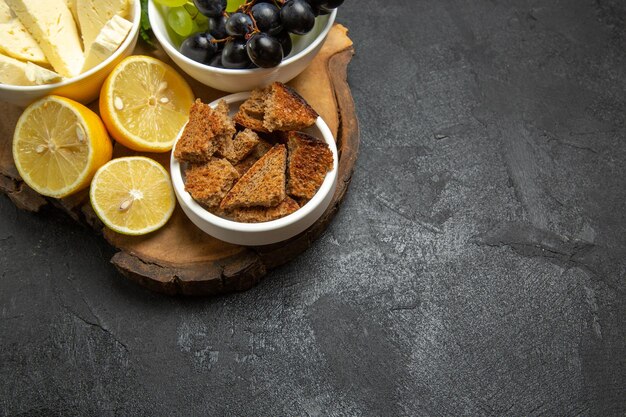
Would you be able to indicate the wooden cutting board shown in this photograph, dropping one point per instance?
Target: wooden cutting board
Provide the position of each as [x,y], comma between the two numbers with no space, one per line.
[180,258]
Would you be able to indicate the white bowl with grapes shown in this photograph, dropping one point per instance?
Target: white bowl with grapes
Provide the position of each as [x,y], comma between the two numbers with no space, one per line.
[239,45]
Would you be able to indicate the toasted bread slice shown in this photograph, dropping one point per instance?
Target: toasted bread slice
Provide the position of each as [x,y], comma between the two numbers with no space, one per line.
[223,124]
[210,182]
[243,144]
[222,108]
[251,111]
[195,144]
[263,184]
[277,107]
[257,152]
[287,110]
[309,161]
[226,130]
[201,137]
[225,147]
[264,214]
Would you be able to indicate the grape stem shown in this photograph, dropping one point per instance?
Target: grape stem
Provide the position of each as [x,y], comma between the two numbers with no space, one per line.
[245,8]
[255,28]
[223,40]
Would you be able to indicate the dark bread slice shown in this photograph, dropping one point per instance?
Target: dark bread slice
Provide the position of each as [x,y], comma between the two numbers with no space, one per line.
[195,144]
[224,146]
[309,161]
[224,125]
[262,185]
[243,144]
[261,149]
[251,111]
[285,109]
[224,137]
[277,107]
[274,137]
[210,182]
[264,214]
[203,135]
[257,152]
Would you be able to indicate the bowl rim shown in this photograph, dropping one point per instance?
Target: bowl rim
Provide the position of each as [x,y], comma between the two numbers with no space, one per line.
[132,34]
[170,49]
[327,186]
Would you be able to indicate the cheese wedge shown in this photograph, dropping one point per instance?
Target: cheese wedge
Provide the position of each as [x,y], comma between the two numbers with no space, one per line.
[15,41]
[39,75]
[108,40]
[94,14]
[71,4]
[16,72]
[51,24]
[12,71]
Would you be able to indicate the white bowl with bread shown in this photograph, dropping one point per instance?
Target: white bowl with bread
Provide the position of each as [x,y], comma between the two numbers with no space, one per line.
[277,187]
[42,46]
[304,49]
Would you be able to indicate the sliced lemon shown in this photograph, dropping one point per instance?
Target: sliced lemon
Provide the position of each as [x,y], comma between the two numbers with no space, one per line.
[144,103]
[58,145]
[132,195]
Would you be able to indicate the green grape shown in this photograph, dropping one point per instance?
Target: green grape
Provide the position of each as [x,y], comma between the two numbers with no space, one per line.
[201,22]
[198,28]
[232,5]
[200,25]
[180,21]
[171,3]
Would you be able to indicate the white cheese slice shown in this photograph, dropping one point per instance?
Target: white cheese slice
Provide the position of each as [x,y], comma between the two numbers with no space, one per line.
[108,40]
[13,71]
[16,72]
[39,75]
[51,24]
[71,4]
[15,41]
[94,14]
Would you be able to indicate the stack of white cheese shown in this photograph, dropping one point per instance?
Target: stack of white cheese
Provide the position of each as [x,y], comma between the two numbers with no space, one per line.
[45,41]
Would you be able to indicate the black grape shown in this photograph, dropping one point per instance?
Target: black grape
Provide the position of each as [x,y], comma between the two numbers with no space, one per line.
[323,11]
[331,4]
[210,8]
[217,27]
[264,50]
[285,41]
[216,61]
[267,17]
[242,45]
[239,24]
[315,6]
[297,17]
[234,55]
[199,47]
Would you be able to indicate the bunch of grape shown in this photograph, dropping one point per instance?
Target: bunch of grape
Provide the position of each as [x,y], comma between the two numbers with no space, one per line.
[252,33]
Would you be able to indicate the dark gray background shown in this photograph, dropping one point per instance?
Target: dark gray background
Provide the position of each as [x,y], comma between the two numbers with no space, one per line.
[477,266]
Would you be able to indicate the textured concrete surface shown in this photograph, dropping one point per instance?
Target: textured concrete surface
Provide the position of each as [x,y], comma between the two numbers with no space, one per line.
[477,267]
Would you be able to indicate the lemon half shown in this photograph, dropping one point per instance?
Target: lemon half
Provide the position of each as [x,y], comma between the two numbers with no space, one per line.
[58,145]
[144,103]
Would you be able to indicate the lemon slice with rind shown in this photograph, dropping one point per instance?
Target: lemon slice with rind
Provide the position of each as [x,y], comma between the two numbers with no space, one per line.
[58,145]
[144,103]
[132,195]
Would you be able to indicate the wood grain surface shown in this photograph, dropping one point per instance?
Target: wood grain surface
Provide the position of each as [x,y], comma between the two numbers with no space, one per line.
[180,258]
